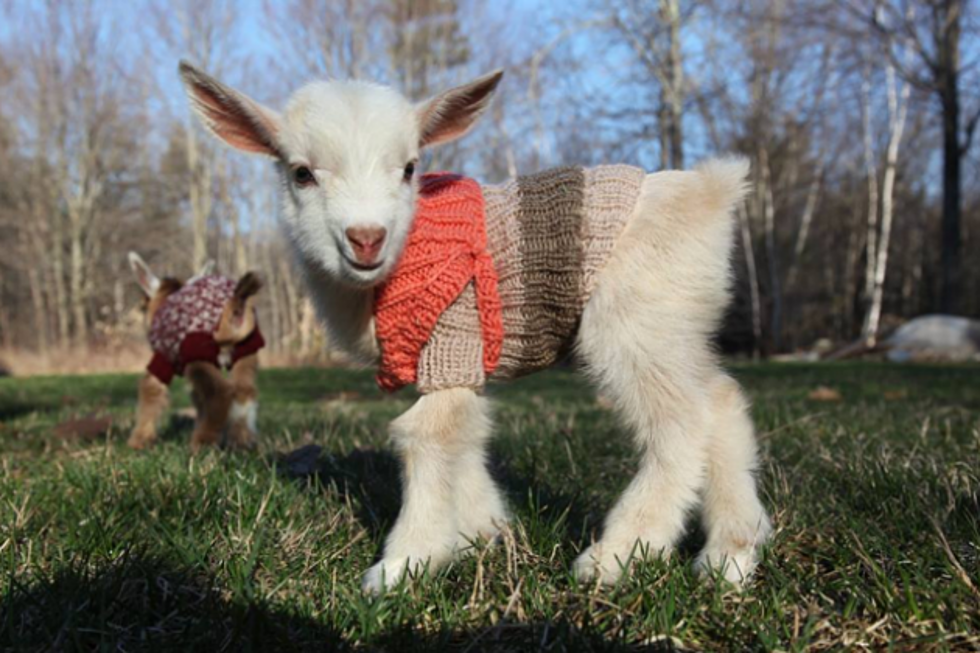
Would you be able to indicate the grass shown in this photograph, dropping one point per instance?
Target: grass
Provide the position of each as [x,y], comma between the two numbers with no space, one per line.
[875,498]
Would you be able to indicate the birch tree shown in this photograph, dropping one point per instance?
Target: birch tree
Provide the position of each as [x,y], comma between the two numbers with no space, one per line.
[932,32]
[877,251]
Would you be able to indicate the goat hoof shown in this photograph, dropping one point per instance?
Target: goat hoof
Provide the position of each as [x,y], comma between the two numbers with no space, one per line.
[384,575]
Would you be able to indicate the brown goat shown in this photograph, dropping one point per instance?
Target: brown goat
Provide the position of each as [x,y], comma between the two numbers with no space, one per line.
[195,329]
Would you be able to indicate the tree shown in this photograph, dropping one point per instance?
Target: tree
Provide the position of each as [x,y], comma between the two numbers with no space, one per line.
[205,32]
[932,30]
[878,244]
[653,32]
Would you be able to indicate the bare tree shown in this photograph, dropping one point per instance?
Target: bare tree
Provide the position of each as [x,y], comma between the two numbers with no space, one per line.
[205,32]
[653,31]
[70,100]
[932,30]
[877,251]
[843,107]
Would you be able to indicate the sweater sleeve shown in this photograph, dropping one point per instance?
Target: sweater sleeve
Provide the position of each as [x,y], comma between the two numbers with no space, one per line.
[453,356]
[248,346]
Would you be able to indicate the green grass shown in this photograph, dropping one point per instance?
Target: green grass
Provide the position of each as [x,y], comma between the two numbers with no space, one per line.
[875,500]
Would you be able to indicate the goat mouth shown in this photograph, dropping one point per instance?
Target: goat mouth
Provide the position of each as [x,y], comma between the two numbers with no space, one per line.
[366,267]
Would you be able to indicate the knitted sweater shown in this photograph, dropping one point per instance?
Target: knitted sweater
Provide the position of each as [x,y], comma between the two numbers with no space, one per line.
[547,235]
[445,251]
[182,330]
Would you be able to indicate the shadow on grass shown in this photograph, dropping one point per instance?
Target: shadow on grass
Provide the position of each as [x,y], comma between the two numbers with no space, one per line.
[144,604]
[10,411]
[140,604]
[371,479]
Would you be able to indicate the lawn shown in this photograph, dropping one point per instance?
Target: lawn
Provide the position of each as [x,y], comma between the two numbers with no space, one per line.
[874,495]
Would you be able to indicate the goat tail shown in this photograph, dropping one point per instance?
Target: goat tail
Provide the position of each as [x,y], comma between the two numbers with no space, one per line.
[724,182]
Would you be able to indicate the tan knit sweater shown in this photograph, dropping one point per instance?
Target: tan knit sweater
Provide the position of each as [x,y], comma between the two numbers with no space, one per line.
[550,235]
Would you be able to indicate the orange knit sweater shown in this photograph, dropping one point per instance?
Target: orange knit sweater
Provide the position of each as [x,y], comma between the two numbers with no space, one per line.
[445,250]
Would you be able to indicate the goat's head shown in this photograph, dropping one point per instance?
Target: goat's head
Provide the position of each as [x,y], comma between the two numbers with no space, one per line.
[347,154]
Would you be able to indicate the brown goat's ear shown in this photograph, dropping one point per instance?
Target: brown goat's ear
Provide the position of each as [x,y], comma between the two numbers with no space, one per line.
[238,318]
[250,284]
[231,116]
[147,281]
[453,113]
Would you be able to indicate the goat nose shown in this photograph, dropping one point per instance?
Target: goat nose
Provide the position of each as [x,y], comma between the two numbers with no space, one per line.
[366,242]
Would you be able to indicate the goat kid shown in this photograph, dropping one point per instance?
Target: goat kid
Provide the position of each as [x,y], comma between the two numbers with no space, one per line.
[630,270]
[195,329]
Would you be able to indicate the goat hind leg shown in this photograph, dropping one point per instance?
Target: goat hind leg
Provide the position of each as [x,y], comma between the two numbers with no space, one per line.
[734,519]
[212,396]
[649,518]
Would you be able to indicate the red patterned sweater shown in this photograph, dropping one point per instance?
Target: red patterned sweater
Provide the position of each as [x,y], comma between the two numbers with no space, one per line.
[183,328]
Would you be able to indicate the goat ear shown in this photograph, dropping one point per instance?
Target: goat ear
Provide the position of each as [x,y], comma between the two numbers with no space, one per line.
[453,113]
[205,270]
[144,276]
[248,285]
[231,116]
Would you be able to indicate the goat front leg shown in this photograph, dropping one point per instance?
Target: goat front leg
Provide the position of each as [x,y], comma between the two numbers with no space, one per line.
[480,507]
[437,438]
[244,406]
[153,400]
[212,396]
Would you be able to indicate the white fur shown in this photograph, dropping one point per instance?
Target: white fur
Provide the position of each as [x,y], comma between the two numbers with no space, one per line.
[449,497]
[246,411]
[356,138]
[645,340]
[224,357]
[149,281]
[644,336]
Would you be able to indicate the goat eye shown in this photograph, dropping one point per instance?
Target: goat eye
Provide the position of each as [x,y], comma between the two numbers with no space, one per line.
[303,176]
[409,170]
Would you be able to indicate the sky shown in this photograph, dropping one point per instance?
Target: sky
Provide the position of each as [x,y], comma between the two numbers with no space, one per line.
[527,26]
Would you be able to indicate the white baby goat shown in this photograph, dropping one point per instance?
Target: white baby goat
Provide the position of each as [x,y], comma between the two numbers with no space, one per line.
[345,153]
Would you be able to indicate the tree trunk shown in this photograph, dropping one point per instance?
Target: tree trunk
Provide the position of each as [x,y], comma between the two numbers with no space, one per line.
[951,204]
[806,220]
[292,302]
[40,313]
[749,252]
[897,108]
[767,203]
[58,283]
[76,285]
[948,43]
[871,171]
[672,91]
[200,198]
